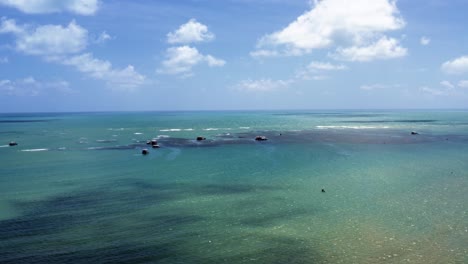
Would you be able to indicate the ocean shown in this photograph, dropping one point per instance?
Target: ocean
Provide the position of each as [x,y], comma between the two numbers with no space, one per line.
[326,187]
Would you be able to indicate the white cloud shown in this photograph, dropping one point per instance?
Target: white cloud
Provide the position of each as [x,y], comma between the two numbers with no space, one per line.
[10,26]
[447,84]
[384,48]
[47,40]
[63,45]
[456,66]
[463,84]
[190,32]
[325,66]
[264,53]
[262,85]
[319,77]
[181,60]
[32,87]
[378,86]
[126,78]
[425,41]
[214,62]
[314,69]
[434,92]
[371,87]
[331,21]
[103,37]
[81,7]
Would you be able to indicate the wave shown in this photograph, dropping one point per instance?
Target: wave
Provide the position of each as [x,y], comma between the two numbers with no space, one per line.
[171,130]
[94,148]
[35,150]
[244,127]
[4,146]
[352,127]
[138,133]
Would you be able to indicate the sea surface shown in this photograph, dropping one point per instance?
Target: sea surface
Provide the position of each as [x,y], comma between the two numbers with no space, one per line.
[76,188]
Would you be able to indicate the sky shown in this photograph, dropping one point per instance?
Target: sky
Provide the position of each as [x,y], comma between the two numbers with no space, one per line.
[144,55]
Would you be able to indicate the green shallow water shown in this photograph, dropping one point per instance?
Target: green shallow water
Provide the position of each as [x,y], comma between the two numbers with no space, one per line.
[68,196]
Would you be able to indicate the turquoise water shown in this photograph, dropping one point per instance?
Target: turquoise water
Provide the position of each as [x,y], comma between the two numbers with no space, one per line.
[76,189]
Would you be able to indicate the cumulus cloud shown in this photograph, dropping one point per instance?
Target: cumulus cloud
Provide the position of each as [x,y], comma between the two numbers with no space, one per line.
[80,7]
[335,22]
[425,41]
[126,78]
[384,48]
[181,60]
[262,85]
[47,40]
[32,87]
[64,45]
[456,66]
[190,32]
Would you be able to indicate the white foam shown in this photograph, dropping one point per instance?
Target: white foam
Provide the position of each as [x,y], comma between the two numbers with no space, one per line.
[211,129]
[244,127]
[94,148]
[188,129]
[352,127]
[34,150]
[4,146]
[171,130]
[138,133]
[162,136]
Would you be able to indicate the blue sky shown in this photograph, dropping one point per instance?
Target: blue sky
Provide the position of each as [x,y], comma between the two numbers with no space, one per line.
[110,55]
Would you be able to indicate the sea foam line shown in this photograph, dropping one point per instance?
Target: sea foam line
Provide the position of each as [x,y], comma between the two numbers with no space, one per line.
[352,127]
[171,130]
[35,150]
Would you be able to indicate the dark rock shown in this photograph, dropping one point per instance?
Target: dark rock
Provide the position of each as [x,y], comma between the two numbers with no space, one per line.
[12,143]
[152,142]
[323,190]
[414,133]
[144,152]
[201,138]
[156,146]
[261,138]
